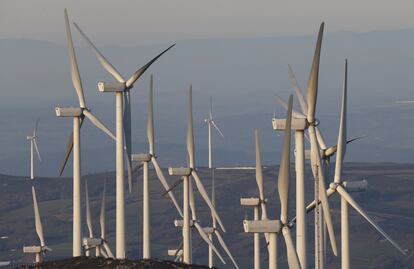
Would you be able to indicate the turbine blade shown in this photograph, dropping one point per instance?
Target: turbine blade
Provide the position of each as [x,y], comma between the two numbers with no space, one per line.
[298,92]
[150,118]
[292,256]
[137,74]
[355,205]
[341,149]
[206,198]
[69,147]
[190,135]
[128,136]
[38,221]
[108,250]
[102,214]
[35,129]
[217,128]
[98,123]
[318,175]
[103,253]
[226,249]
[137,168]
[36,148]
[76,80]
[192,201]
[295,113]
[204,236]
[321,141]
[88,211]
[164,183]
[104,62]
[283,178]
[211,108]
[180,246]
[312,91]
[259,172]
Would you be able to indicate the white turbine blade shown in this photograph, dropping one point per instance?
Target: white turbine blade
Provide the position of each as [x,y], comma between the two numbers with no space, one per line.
[164,183]
[292,256]
[226,249]
[76,80]
[217,128]
[283,177]
[312,90]
[190,135]
[321,141]
[69,147]
[355,205]
[38,221]
[341,149]
[298,92]
[88,211]
[295,113]
[108,250]
[35,129]
[204,236]
[211,108]
[103,253]
[206,198]
[98,124]
[137,74]
[128,138]
[318,174]
[102,214]
[192,201]
[259,172]
[104,62]
[150,118]
[36,148]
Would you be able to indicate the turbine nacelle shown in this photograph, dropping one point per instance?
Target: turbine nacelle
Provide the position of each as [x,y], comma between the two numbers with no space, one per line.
[141,157]
[111,86]
[252,201]
[180,223]
[180,171]
[262,226]
[68,111]
[297,124]
[351,186]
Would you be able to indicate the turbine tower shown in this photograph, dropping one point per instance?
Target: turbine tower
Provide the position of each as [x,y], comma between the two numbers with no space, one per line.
[123,126]
[78,114]
[33,147]
[144,159]
[42,249]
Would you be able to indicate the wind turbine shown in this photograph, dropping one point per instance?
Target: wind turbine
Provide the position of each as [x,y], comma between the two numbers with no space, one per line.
[211,123]
[185,173]
[91,242]
[340,187]
[123,126]
[145,158]
[42,249]
[258,202]
[33,147]
[275,228]
[78,114]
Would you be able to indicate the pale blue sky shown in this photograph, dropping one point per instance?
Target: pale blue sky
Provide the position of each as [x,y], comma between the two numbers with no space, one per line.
[131,22]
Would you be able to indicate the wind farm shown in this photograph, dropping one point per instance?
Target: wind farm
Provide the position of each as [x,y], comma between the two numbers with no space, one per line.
[173,186]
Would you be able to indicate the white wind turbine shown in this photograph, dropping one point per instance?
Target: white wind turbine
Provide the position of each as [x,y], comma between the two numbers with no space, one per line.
[211,123]
[340,187]
[185,173]
[144,159]
[42,249]
[276,228]
[33,147]
[78,114]
[123,126]
[91,242]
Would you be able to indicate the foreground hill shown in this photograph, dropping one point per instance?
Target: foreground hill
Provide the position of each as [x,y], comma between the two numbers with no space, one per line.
[95,263]
[389,200]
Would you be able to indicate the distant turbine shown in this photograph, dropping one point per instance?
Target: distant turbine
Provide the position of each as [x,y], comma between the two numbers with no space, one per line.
[78,114]
[123,126]
[33,147]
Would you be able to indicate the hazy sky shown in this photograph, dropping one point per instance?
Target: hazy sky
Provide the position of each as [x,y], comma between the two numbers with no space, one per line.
[130,22]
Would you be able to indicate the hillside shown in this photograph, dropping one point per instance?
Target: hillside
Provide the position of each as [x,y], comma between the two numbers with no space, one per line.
[389,200]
